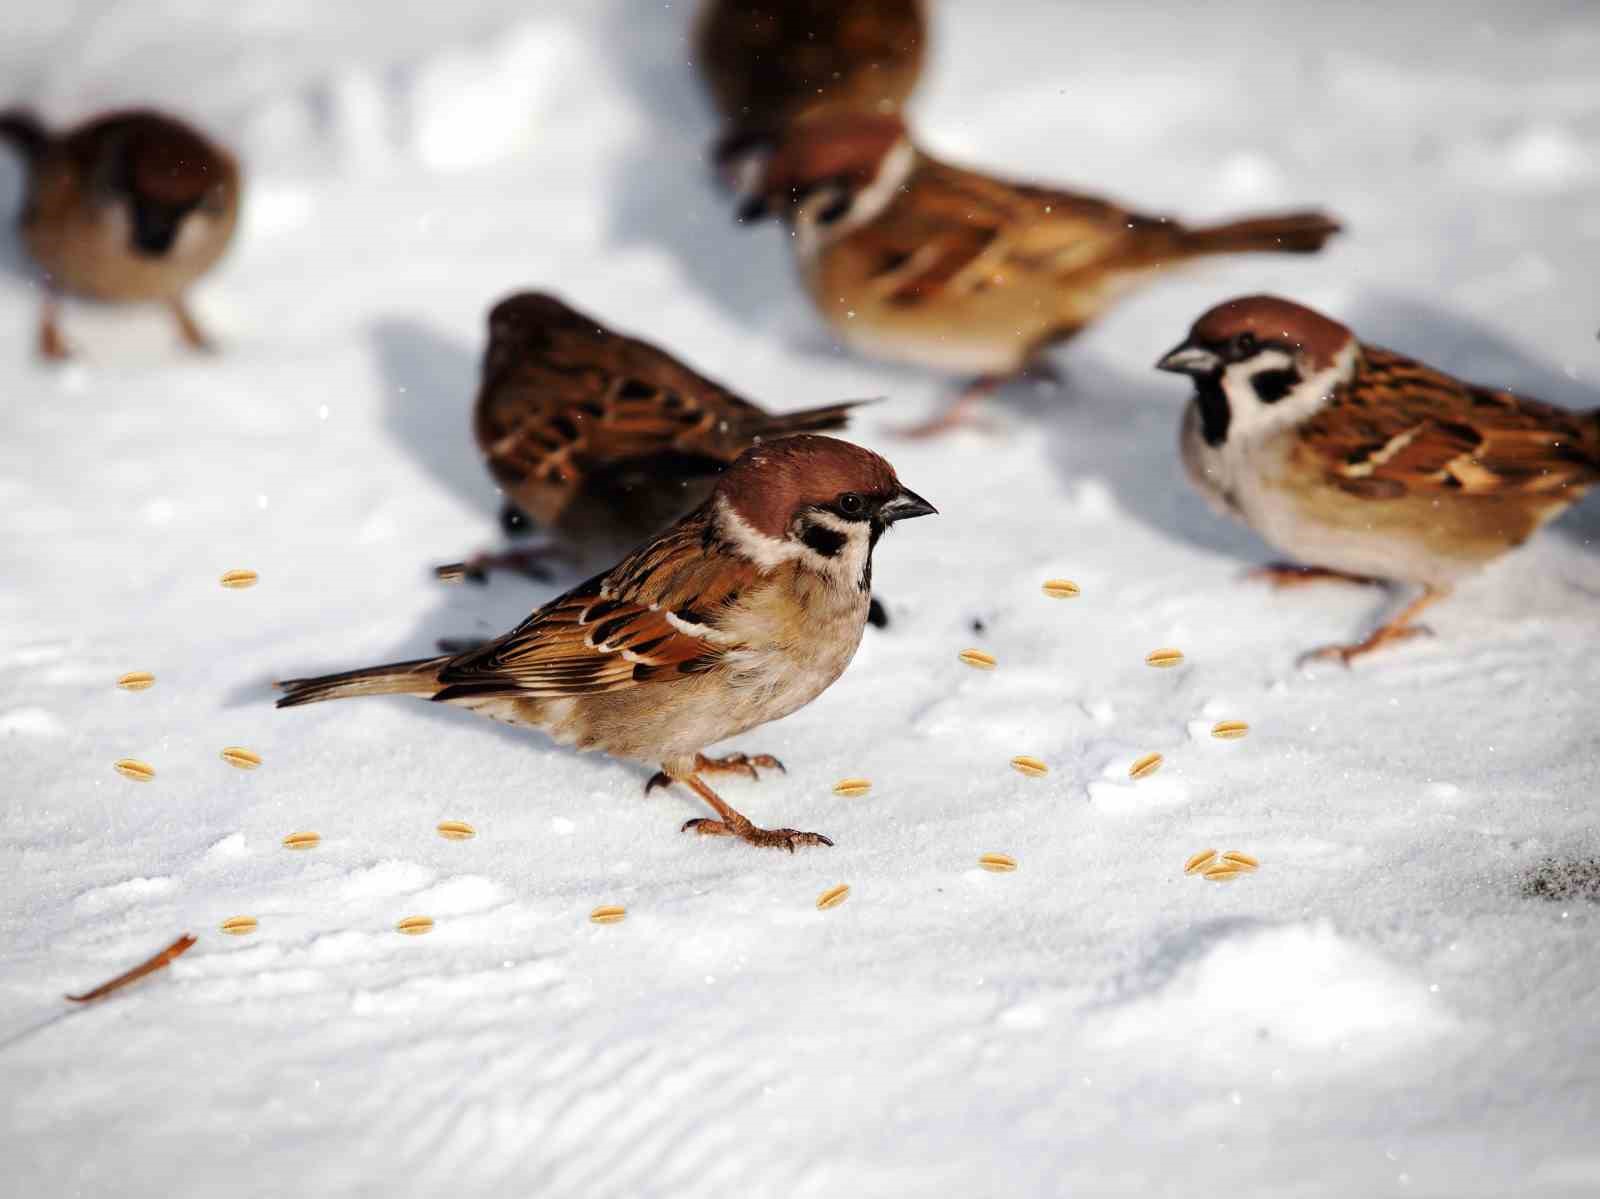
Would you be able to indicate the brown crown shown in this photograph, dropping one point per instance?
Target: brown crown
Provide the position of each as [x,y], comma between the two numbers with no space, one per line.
[770,482]
[846,146]
[1271,318]
[168,162]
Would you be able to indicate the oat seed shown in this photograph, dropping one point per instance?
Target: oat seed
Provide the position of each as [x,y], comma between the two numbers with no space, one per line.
[1163,657]
[1242,860]
[238,579]
[302,840]
[1061,589]
[1145,766]
[998,863]
[456,830]
[136,680]
[132,768]
[852,787]
[609,913]
[1030,766]
[1229,730]
[244,759]
[1200,861]
[978,659]
[239,926]
[415,926]
[1222,874]
[833,897]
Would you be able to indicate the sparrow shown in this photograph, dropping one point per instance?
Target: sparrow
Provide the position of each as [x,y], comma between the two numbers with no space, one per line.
[914,259]
[599,439]
[129,206]
[1364,464]
[742,612]
[768,62]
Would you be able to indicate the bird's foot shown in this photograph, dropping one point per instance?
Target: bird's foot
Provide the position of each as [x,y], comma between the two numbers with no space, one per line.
[749,765]
[1346,654]
[52,345]
[529,561]
[189,329]
[1291,574]
[962,413]
[767,838]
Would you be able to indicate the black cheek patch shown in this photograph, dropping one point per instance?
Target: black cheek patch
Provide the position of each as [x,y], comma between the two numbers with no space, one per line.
[1214,411]
[1272,386]
[823,540]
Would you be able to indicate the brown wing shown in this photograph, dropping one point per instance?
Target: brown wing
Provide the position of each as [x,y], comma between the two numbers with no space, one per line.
[563,397]
[653,617]
[963,231]
[1400,427]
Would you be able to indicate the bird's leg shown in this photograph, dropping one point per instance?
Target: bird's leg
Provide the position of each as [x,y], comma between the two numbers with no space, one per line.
[188,328]
[52,345]
[731,764]
[1399,628]
[1291,574]
[732,824]
[529,560]
[958,413]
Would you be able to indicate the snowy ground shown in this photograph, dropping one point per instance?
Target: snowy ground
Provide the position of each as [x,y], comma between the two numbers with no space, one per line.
[1378,1011]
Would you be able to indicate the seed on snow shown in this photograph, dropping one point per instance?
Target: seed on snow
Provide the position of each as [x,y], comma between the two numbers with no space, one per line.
[136,680]
[1146,765]
[1061,589]
[1028,765]
[977,658]
[998,863]
[610,913]
[1163,657]
[238,579]
[1200,861]
[239,926]
[305,840]
[833,897]
[456,830]
[132,768]
[852,787]
[1229,730]
[415,926]
[1243,860]
[244,759]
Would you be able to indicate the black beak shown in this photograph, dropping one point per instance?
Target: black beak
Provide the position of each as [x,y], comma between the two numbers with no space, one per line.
[1190,359]
[904,506]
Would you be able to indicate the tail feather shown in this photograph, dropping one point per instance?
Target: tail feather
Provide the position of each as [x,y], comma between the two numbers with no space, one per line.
[807,420]
[419,677]
[1290,233]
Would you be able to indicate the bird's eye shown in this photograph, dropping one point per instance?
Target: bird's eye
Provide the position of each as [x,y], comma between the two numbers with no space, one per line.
[852,504]
[1246,343]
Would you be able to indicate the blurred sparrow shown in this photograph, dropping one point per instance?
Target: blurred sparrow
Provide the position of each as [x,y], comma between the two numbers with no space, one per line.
[130,206]
[913,259]
[767,62]
[1364,464]
[740,613]
[601,439]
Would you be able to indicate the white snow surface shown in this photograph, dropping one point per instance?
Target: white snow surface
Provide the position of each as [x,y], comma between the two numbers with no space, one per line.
[1377,1011]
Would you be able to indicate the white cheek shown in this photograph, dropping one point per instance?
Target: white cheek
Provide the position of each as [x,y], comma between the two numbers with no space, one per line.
[811,236]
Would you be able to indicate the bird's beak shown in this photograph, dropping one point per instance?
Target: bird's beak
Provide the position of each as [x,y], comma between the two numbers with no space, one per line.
[1190,359]
[904,506]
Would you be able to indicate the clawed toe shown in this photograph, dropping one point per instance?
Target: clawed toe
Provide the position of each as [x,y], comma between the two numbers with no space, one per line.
[768,838]
[1346,654]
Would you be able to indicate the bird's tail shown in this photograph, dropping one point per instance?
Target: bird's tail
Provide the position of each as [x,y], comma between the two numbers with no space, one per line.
[24,131]
[420,677]
[807,420]
[1290,233]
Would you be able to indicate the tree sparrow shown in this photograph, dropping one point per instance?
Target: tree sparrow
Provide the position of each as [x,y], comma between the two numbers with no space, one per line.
[740,613]
[913,259]
[129,206]
[601,439]
[1366,464]
[768,62]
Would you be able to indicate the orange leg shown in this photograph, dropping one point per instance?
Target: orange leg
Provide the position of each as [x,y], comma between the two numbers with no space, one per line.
[960,412]
[729,822]
[527,560]
[189,329]
[731,764]
[1290,574]
[52,345]
[1399,628]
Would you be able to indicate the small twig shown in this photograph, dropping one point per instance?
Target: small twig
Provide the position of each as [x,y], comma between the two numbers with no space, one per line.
[176,949]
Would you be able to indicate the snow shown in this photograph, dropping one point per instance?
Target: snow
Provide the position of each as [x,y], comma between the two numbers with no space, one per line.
[1379,1010]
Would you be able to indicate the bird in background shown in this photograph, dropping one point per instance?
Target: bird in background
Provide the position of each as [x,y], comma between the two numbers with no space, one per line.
[130,206]
[1363,464]
[913,259]
[767,63]
[599,440]
[742,612]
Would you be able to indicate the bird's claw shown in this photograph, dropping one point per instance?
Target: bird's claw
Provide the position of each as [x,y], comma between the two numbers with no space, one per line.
[770,838]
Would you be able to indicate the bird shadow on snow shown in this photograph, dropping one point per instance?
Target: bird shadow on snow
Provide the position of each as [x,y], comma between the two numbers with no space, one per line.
[429,381]
[664,192]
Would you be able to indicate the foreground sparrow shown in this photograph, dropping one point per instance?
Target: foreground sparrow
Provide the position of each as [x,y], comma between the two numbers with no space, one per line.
[745,610]
[913,259]
[767,62]
[1364,464]
[601,439]
[130,206]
